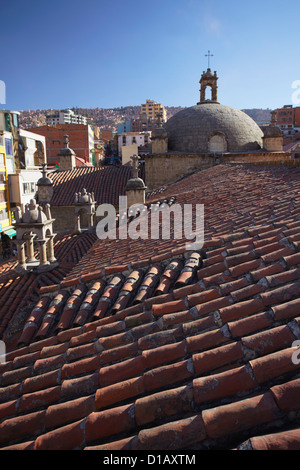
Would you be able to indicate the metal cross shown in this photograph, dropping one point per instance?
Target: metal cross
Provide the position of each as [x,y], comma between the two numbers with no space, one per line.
[209,55]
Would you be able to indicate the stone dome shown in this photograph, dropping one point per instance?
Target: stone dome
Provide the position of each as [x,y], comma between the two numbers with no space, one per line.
[135,183]
[212,127]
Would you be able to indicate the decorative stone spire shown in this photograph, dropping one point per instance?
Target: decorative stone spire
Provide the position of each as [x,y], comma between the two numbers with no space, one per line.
[45,187]
[135,187]
[273,121]
[135,166]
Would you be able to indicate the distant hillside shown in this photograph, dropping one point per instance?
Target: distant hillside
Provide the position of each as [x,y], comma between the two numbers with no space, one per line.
[103,118]
[109,118]
[259,115]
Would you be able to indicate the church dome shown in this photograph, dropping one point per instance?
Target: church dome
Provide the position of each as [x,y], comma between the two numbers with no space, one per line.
[210,127]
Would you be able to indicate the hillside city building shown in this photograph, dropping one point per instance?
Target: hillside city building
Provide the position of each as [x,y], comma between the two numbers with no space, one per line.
[288,119]
[150,113]
[66,116]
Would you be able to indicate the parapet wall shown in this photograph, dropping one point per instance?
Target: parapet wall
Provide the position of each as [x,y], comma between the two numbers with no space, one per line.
[164,168]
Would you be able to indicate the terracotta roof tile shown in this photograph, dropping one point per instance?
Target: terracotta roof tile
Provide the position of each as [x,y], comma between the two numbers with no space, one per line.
[286,440]
[144,346]
[224,384]
[240,416]
[106,183]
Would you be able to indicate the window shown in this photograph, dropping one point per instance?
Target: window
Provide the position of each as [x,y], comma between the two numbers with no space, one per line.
[16,120]
[2,163]
[2,178]
[28,188]
[3,214]
[2,196]
[7,122]
[39,155]
[9,165]
[8,147]
[1,140]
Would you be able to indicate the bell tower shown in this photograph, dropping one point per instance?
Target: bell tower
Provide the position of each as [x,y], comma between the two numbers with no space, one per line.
[208,79]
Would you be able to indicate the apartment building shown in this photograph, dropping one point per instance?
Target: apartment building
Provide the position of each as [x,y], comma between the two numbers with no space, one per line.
[81,140]
[65,116]
[288,119]
[152,109]
[21,155]
[151,112]
[130,143]
[124,126]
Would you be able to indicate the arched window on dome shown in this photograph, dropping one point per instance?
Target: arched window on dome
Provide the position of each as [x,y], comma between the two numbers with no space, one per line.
[217,143]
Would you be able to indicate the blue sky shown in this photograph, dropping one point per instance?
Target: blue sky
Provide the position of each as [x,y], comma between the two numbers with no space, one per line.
[105,53]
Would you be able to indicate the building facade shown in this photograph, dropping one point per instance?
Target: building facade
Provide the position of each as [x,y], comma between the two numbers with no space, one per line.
[5,214]
[138,139]
[124,126]
[288,119]
[151,113]
[81,137]
[152,109]
[21,155]
[65,116]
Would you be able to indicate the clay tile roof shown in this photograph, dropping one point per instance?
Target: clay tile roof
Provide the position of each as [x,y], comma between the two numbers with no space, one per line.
[143,345]
[106,183]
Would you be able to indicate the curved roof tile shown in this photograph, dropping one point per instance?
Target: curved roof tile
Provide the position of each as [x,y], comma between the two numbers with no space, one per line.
[209,361]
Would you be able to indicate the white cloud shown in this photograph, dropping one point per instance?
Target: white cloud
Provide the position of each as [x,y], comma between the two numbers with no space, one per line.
[212,24]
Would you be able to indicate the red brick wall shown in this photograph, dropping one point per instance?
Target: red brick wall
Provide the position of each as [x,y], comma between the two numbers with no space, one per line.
[297,116]
[78,137]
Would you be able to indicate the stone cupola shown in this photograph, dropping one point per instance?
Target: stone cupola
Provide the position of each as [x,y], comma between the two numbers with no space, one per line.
[66,156]
[85,210]
[273,137]
[35,227]
[159,137]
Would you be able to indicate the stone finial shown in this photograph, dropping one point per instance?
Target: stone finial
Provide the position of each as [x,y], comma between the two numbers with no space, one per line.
[273,118]
[41,215]
[66,141]
[44,164]
[159,119]
[135,165]
[18,214]
[48,211]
